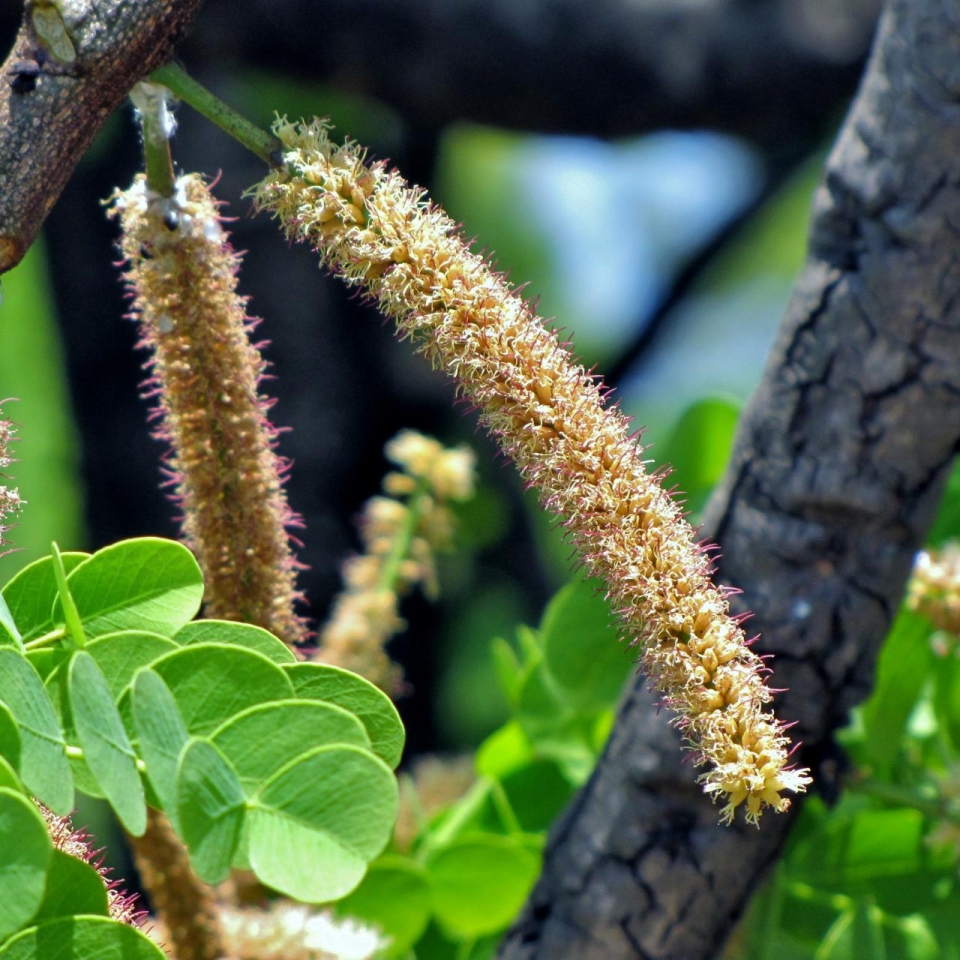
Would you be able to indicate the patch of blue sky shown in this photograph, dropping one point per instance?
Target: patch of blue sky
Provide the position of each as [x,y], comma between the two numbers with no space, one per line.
[620,218]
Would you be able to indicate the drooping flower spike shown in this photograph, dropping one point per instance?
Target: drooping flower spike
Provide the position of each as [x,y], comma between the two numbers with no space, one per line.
[227,476]
[549,415]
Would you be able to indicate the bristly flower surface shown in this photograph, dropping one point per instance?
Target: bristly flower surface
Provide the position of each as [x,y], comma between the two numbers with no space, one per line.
[548,413]
[182,277]
[76,843]
[10,501]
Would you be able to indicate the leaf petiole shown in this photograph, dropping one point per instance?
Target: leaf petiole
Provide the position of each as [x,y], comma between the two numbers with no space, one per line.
[74,635]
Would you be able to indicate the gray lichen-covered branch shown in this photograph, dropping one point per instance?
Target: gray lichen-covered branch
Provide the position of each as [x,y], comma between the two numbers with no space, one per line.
[839,463]
[71,65]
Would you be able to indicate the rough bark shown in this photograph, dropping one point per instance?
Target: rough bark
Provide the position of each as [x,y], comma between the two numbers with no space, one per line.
[600,67]
[838,466]
[45,131]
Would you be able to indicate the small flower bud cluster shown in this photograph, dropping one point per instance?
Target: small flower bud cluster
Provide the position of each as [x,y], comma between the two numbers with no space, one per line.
[934,588]
[549,415]
[289,931]
[182,276]
[401,533]
[10,501]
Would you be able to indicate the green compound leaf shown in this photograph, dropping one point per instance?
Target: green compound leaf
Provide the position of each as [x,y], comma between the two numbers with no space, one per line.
[81,938]
[161,734]
[213,682]
[583,656]
[395,897]
[120,655]
[43,767]
[237,634]
[261,740]
[319,681]
[31,593]
[9,778]
[9,738]
[210,809]
[479,883]
[72,887]
[106,747]
[314,826]
[146,584]
[9,634]
[25,854]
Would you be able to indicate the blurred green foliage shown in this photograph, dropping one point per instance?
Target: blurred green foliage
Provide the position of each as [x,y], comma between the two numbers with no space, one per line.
[32,371]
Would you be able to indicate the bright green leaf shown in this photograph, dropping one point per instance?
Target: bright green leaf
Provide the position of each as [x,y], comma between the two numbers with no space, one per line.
[9,778]
[904,666]
[81,938]
[504,751]
[319,681]
[238,634]
[213,682]
[264,738]
[43,752]
[394,897]
[698,449]
[106,747]
[120,655]
[9,737]
[314,827]
[72,887]
[209,809]
[146,584]
[30,594]
[479,883]
[161,734]
[25,854]
[9,634]
[583,656]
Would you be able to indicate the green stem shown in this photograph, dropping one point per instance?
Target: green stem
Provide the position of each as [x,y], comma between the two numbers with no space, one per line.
[50,637]
[390,572]
[502,803]
[70,613]
[255,139]
[156,157]
[76,753]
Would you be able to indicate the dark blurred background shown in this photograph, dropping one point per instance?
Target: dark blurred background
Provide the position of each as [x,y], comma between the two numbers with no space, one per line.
[647,168]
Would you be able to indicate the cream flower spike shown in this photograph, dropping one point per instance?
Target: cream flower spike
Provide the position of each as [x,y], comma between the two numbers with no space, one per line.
[549,415]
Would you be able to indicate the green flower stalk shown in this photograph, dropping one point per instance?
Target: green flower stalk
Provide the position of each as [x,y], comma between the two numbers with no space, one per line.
[401,533]
[227,476]
[549,415]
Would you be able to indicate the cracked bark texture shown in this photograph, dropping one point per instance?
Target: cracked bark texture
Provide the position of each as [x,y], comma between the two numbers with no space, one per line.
[45,131]
[838,466]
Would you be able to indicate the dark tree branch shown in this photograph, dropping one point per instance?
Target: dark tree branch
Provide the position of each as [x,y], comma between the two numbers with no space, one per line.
[601,67]
[839,463]
[46,129]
